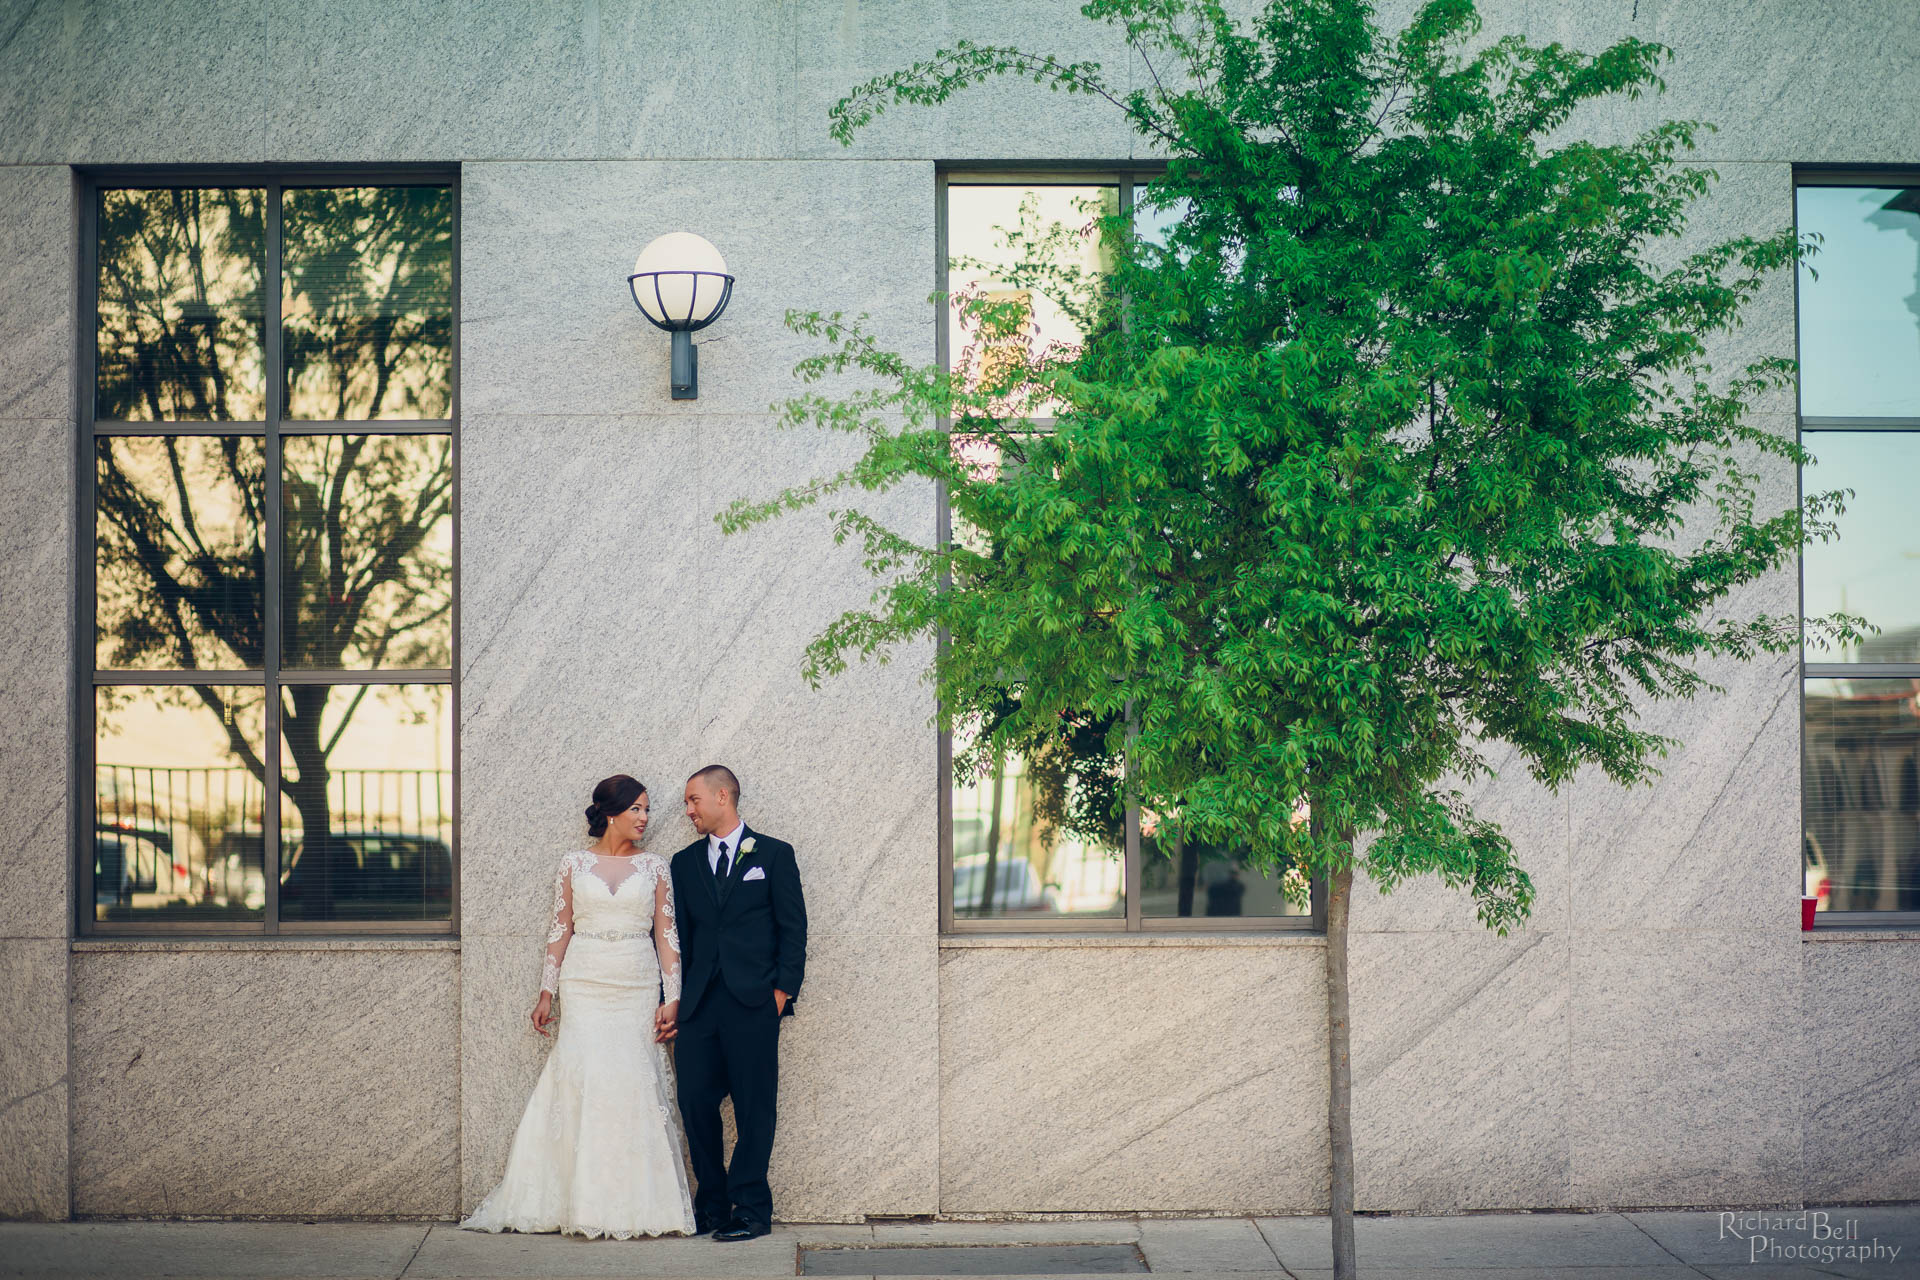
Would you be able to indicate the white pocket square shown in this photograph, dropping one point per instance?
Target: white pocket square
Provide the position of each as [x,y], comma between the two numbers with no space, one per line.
[754,873]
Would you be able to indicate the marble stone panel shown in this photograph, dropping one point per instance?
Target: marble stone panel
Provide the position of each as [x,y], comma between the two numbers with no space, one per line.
[1783,82]
[1862,1103]
[1533,819]
[846,771]
[366,80]
[33,1078]
[1133,1079]
[609,626]
[716,81]
[1714,841]
[857,1127]
[36,567]
[319,1083]
[1689,1073]
[1460,1063]
[36,291]
[551,327]
[578,545]
[133,82]
[1006,118]
[500,1052]
[859,1081]
[1743,200]
[1788,81]
[613,78]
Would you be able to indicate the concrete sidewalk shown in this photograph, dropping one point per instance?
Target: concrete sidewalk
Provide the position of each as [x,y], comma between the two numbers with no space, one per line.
[1757,1245]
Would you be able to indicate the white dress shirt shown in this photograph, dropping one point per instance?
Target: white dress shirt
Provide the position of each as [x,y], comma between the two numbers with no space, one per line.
[731,840]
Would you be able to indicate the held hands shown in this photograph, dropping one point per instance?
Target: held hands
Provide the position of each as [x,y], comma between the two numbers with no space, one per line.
[543,1012]
[666,1022]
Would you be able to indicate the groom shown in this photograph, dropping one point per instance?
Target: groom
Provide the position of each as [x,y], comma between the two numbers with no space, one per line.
[743,939]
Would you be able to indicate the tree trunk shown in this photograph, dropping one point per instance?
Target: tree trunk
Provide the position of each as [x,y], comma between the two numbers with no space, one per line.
[1189,873]
[308,888]
[993,840]
[1339,1077]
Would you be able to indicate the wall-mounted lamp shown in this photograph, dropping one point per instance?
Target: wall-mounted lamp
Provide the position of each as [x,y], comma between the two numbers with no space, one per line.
[681,284]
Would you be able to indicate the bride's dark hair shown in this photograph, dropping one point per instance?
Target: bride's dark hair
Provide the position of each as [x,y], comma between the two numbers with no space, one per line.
[613,795]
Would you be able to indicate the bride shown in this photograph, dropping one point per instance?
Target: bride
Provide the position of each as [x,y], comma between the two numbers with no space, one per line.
[598,1151]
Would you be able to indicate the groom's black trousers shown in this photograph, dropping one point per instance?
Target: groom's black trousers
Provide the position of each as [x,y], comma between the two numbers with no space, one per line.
[729,1048]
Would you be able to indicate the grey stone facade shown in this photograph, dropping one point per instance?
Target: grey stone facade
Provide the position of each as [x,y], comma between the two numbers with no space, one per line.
[1661,1034]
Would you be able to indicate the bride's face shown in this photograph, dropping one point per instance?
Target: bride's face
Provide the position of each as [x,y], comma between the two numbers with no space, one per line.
[631,824]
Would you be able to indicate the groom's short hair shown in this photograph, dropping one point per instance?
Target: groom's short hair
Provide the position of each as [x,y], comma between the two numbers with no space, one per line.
[718,775]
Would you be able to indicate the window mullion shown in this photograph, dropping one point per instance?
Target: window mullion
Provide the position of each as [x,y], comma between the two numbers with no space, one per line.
[86,713]
[272,562]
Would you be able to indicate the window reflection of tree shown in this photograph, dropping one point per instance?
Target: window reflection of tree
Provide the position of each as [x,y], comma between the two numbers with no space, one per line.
[367,327]
[366,583]
[179,335]
[367,572]
[1071,787]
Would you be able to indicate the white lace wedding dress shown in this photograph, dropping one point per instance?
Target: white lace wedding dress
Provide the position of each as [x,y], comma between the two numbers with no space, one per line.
[598,1151]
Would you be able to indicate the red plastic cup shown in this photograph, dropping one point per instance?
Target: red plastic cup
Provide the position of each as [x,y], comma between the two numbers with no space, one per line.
[1809,903]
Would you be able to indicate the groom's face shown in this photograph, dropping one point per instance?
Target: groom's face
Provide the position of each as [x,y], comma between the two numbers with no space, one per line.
[707,808]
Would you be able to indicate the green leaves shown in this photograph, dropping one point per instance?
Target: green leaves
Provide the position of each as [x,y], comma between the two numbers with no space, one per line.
[1399,444]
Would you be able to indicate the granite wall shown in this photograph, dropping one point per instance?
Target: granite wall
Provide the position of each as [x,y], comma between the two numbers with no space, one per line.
[37,243]
[1658,1034]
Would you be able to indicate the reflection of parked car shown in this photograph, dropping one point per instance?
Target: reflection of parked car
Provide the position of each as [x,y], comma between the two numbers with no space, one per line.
[233,874]
[1818,883]
[1016,886]
[376,873]
[127,860]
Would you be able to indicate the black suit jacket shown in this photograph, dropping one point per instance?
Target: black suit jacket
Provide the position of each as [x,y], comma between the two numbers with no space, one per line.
[754,934]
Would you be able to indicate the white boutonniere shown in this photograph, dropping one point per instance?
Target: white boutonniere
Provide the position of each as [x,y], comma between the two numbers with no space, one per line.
[746,846]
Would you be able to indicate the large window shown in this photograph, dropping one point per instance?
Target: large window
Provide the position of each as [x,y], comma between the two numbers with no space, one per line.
[1859,339]
[1032,844]
[268,419]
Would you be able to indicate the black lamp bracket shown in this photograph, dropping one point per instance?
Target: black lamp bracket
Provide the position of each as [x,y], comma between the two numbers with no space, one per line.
[685,371]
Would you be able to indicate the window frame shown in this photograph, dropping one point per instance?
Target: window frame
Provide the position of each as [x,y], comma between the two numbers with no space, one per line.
[271,430]
[1125,175]
[1815,175]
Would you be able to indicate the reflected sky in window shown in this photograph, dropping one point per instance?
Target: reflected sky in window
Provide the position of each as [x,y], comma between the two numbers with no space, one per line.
[1860,320]
[1873,568]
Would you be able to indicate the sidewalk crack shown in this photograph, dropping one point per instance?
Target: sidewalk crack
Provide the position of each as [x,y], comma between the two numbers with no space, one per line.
[419,1244]
[1284,1269]
[1661,1246]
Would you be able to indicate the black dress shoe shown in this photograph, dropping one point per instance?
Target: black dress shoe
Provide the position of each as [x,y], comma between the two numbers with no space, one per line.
[740,1229]
[702,1225]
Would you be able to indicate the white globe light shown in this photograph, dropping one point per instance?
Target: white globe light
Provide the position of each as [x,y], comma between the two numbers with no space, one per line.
[682,280]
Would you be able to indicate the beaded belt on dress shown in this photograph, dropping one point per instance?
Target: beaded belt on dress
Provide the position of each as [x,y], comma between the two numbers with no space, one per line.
[611,935]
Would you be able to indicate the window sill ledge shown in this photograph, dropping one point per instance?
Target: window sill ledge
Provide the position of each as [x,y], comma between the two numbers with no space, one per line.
[1862,933]
[1277,938]
[280,942]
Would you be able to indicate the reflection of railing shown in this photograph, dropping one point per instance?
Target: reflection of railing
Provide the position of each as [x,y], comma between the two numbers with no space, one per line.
[166,835]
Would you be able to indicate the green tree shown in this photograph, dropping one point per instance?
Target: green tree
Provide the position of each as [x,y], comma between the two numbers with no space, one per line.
[1399,446]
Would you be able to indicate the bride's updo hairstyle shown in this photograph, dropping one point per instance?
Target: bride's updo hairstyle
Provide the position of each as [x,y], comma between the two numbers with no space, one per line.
[613,795]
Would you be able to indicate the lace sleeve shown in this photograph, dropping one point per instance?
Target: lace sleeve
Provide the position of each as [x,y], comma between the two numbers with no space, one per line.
[666,938]
[561,931]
